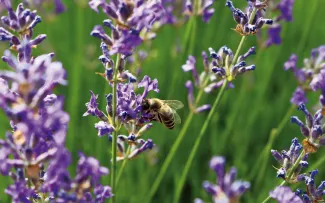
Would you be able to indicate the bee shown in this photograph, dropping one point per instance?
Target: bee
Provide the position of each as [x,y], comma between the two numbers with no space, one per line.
[163,111]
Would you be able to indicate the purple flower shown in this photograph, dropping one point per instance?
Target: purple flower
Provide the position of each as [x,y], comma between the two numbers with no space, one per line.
[19,192]
[224,57]
[22,21]
[285,7]
[131,20]
[242,18]
[299,96]
[34,151]
[284,194]
[312,129]
[311,74]
[215,72]
[136,144]
[287,159]
[104,128]
[35,79]
[92,108]
[227,188]
[313,193]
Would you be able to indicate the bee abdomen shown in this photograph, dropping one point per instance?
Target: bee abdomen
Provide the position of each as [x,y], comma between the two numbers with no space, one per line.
[167,120]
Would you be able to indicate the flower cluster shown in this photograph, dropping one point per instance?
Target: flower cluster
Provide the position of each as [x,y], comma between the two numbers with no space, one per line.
[287,160]
[309,77]
[33,154]
[244,26]
[21,22]
[215,72]
[129,114]
[227,188]
[284,194]
[130,23]
[312,129]
[313,193]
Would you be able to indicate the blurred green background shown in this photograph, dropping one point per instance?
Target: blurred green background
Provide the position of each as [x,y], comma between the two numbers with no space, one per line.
[239,130]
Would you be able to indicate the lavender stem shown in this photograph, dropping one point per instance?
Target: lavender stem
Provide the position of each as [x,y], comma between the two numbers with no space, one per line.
[291,172]
[197,143]
[206,123]
[114,137]
[174,148]
[123,164]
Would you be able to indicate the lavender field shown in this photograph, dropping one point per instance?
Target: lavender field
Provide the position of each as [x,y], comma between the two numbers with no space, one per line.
[162,101]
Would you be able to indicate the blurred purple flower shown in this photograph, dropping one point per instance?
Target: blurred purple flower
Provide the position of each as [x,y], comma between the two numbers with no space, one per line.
[205,9]
[298,97]
[34,151]
[287,159]
[23,22]
[312,73]
[284,194]
[19,192]
[227,188]
[274,37]
[285,7]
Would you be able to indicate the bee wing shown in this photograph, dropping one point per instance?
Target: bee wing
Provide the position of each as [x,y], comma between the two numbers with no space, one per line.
[174,104]
[177,118]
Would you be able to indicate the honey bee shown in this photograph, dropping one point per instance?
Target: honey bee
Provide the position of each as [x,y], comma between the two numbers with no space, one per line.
[163,111]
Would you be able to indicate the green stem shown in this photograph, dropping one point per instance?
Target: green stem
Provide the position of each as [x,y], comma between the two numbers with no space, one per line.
[263,159]
[206,123]
[290,173]
[123,165]
[269,197]
[174,148]
[197,142]
[114,137]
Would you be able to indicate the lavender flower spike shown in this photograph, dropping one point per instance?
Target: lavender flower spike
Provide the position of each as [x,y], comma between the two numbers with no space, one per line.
[227,188]
[312,129]
[222,59]
[313,193]
[243,27]
[127,21]
[23,22]
[311,74]
[33,153]
[287,159]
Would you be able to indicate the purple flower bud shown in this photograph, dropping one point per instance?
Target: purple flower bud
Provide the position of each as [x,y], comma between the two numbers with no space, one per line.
[277,156]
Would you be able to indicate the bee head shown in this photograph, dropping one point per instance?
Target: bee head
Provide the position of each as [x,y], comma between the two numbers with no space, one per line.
[145,105]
